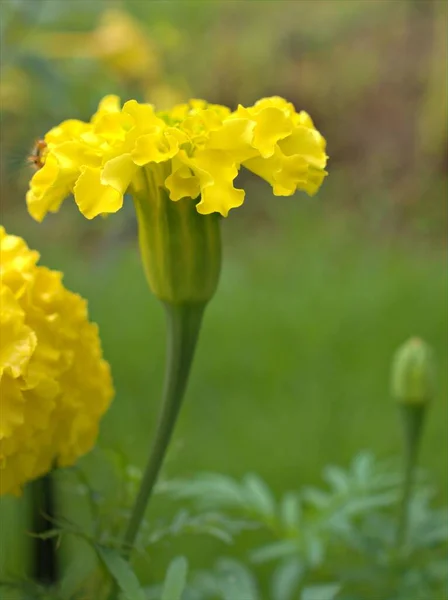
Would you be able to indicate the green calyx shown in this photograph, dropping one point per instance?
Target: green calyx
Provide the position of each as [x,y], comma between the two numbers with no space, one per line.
[180,248]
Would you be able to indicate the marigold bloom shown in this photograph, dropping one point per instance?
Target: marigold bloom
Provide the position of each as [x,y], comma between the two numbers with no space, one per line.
[54,383]
[193,151]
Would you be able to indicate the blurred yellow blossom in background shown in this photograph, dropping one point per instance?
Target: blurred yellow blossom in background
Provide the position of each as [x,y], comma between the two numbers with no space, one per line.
[54,383]
[118,42]
[14,89]
[124,46]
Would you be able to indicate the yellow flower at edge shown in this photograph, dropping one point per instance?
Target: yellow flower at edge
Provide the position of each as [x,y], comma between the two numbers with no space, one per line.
[194,150]
[54,383]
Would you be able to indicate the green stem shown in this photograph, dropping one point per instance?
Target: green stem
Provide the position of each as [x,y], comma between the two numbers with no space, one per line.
[183,322]
[412,417]
[45,549]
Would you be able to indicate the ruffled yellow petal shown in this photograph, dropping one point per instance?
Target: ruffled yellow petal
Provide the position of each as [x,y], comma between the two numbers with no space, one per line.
[94,198]
[118,173]
[158,146]
[182,183]
[235,136]
[215,171]
[70,155]
[109,104]
[48,188]
[18,341]
[271,125]
[307,143]
[143,115]
[113,126]
[65,132]
[287,174]
[54,384]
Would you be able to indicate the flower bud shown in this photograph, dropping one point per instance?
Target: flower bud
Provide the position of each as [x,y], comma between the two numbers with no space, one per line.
[413,373]
[180,248]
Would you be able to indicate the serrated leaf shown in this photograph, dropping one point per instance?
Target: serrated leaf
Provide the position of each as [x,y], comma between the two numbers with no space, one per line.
[328,591]
[274,551]
[207,489]
[179,521]
[259,495]
[363,467]
[286,578]
[316,497]
[176,579]
[219,534]
[290,511]
[122,572]
[315,550]
[337,478]
[236,580]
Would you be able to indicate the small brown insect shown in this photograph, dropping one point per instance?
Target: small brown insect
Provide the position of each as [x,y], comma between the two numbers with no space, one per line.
[36,158]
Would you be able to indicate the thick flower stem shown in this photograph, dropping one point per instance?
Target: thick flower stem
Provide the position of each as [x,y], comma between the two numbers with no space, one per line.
[183,325]
[412,417]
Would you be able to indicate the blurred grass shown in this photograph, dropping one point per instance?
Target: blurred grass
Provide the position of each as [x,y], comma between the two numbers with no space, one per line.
[295,352]
[292,369]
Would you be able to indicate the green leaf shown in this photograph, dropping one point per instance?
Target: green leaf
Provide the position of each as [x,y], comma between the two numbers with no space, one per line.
[286,578]
[176,579]
[314,550]
[328,591]
[337,478]
[363,467]
[259,496]
[290,511]
[274,551]
[236,580]
[122,572]
[76,574]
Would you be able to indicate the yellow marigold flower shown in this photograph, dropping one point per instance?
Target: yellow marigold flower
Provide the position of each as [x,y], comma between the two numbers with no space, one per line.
[54,383]
[194,150]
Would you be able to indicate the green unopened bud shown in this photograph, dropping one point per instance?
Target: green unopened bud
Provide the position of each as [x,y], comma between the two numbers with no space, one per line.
[180,248]
[413,377]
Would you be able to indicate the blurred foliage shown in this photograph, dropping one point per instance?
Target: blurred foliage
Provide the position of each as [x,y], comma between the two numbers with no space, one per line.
[345,533]
[337,542]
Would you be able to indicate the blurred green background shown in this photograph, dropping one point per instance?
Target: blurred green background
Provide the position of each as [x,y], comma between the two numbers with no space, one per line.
[292,368]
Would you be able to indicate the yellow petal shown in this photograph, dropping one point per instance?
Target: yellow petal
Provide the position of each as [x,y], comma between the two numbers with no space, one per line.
[109,104]
[271,125]
[308,143]
[157,146]
[66,131]
[235,136]
[182,183]
[216,171]
[48,188]
[118,173]
[94,198]
[17,341]
[71,155]
[143,115]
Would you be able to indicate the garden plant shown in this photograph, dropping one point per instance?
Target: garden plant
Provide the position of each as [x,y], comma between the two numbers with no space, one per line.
[96,522]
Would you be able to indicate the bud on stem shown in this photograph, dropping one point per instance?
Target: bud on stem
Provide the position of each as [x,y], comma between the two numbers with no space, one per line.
[413,387]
